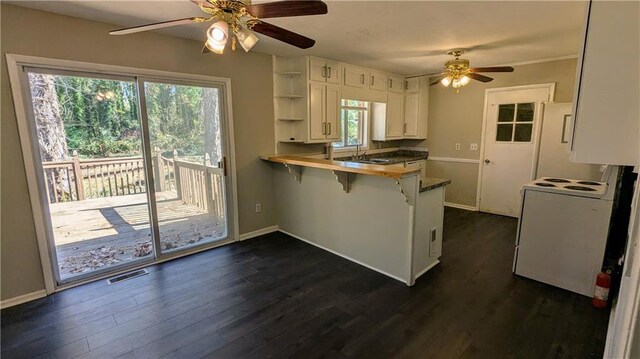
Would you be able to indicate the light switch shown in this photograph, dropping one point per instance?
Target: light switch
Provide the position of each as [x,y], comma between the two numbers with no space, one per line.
[473,147]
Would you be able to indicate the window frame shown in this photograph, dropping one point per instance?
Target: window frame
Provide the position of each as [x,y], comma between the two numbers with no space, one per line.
[363,128]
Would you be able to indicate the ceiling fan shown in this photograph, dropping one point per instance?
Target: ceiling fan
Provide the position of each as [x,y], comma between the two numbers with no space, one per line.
[457,72]
[238,19]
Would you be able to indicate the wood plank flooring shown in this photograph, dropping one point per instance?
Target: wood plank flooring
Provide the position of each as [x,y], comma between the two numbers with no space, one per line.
[275,296]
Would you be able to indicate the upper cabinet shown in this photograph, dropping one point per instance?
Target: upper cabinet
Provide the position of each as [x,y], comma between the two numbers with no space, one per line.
[606,121]
[412,84]
[416,108]
[355,76]
[308,92]
[396,84]
[378,81]
[325,71]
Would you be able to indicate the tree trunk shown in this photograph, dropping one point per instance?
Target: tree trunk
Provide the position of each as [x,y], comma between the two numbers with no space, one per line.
[211,118]
[52,137]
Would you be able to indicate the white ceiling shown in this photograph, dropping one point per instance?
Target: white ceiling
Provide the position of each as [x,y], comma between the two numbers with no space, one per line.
[406,37]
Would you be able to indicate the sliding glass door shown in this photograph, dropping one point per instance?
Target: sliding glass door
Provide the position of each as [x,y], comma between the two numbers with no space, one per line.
[185,136]
[130,170]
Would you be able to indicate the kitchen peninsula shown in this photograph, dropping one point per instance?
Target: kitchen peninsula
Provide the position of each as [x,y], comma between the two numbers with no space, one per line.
[383,217]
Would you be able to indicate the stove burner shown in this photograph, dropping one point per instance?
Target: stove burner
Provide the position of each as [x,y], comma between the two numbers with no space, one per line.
[580,188]
[590,183]
[545,184]
[557,180]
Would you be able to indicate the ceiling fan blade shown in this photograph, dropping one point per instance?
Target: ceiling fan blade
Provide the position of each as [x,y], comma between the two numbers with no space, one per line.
[437,80]
[287,8]
[479,77]
[284,35]
[156,25]
[492,69]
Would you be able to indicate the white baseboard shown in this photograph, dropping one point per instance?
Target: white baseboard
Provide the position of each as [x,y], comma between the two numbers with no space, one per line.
[23,299]
[461,206]
[259,232]
[343,256]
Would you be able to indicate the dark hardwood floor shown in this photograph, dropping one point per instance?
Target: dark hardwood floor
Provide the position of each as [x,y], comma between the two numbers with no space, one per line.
[275,296]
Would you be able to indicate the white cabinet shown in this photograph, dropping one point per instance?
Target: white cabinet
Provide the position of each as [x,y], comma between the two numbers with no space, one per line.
[416,109]
[378,80]
[606,123]
[412,84]
[355,76]
[322,70]
[411,112]
[387,119]
[396,84]
[324,112]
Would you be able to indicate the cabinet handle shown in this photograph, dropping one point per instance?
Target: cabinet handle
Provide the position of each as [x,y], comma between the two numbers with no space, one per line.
[362,79]
[390,83]
[324,71]
[405,128]
[373,80]
[406,85]
[329,131]
[329,72]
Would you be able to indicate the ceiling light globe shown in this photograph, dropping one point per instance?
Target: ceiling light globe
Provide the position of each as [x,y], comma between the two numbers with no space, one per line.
[456,83]
[247,39]
[218,32]
[464,80]
[446,81]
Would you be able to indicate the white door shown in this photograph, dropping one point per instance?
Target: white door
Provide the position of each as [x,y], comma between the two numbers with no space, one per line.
[411,114]
[511,136]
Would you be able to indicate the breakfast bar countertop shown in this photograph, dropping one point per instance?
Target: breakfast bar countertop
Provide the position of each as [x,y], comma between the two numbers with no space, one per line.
[344,166]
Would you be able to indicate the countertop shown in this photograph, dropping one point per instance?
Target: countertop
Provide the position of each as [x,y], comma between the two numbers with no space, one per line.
[393,157]
[430,183]
[345,166]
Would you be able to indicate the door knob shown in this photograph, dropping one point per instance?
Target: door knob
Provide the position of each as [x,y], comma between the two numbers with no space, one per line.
[486,161]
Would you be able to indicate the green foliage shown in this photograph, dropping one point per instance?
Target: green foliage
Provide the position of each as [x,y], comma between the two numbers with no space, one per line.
[101,117]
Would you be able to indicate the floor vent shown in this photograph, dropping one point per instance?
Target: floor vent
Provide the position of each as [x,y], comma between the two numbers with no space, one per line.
[126,276]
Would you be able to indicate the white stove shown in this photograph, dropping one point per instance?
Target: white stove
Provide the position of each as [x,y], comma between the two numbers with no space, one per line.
[567,186]
[562,231]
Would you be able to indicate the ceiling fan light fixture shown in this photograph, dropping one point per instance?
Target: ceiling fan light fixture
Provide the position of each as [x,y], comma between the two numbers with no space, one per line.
[217,36]
[247,39]
[456,83]
[446,81]
[464,80]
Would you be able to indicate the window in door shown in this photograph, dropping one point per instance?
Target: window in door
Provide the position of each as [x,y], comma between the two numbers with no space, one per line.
[515,122]
[354,117]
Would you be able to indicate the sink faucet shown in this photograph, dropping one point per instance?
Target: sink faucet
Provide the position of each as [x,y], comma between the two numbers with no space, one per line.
[358,156]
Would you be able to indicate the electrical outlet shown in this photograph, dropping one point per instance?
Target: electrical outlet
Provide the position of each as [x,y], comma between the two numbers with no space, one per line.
[473,147]
[258,208]
[457,147]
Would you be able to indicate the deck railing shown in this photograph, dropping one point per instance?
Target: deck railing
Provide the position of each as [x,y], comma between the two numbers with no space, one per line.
[197,184]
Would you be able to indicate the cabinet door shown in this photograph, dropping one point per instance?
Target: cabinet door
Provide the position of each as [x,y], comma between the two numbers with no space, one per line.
[412,84]
[395,120]
[317,108]
[378,81]
[317,70]
[334,72]
[606,109]
[396,84]
[411,114]
[333,119]
[354,77]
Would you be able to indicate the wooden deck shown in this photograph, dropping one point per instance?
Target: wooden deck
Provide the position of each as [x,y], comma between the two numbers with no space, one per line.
[99,232]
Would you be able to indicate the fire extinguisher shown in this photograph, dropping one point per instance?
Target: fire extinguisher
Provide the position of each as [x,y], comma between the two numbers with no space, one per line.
[603,284]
